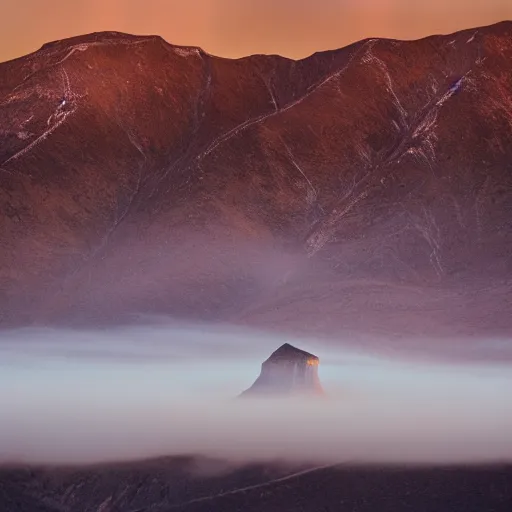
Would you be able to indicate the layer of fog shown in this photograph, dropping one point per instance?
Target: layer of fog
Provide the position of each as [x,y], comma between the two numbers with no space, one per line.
[80,397]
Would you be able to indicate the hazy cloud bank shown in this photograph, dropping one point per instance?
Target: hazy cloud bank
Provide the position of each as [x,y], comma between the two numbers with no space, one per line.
[69,396]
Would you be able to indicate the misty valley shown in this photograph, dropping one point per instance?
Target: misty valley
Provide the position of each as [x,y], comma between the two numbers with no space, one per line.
[256,284]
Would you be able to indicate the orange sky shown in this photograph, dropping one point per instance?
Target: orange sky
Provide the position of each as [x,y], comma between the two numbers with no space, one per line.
[233,28]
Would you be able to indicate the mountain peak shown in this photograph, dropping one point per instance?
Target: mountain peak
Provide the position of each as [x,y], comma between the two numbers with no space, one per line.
[287,352]
[288,370]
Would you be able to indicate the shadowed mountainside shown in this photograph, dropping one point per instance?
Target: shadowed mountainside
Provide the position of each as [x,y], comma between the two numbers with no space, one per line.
[367,188]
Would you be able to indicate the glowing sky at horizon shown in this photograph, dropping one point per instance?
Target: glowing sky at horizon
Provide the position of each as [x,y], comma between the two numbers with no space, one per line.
[233,28]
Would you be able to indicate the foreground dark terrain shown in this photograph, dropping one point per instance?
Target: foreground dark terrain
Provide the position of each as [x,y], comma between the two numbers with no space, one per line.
[184,485]
[366,189]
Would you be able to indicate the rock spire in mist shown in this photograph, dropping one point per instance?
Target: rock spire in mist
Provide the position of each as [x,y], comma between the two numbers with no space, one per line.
[288,371]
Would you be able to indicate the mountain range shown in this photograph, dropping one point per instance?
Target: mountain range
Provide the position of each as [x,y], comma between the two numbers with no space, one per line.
[366,189]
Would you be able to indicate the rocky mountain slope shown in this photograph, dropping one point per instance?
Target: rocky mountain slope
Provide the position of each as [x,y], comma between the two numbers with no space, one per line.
[367,188]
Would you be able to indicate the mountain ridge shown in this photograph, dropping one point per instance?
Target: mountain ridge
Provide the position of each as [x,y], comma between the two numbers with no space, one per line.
[83,38]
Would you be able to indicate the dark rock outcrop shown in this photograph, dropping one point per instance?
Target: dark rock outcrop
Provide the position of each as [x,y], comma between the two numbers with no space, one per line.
[288,371]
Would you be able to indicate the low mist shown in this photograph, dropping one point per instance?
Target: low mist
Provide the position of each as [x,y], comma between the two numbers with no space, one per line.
[119,394]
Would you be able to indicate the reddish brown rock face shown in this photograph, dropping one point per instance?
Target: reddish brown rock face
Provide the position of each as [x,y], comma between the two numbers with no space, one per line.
[288,371]
[367,188]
